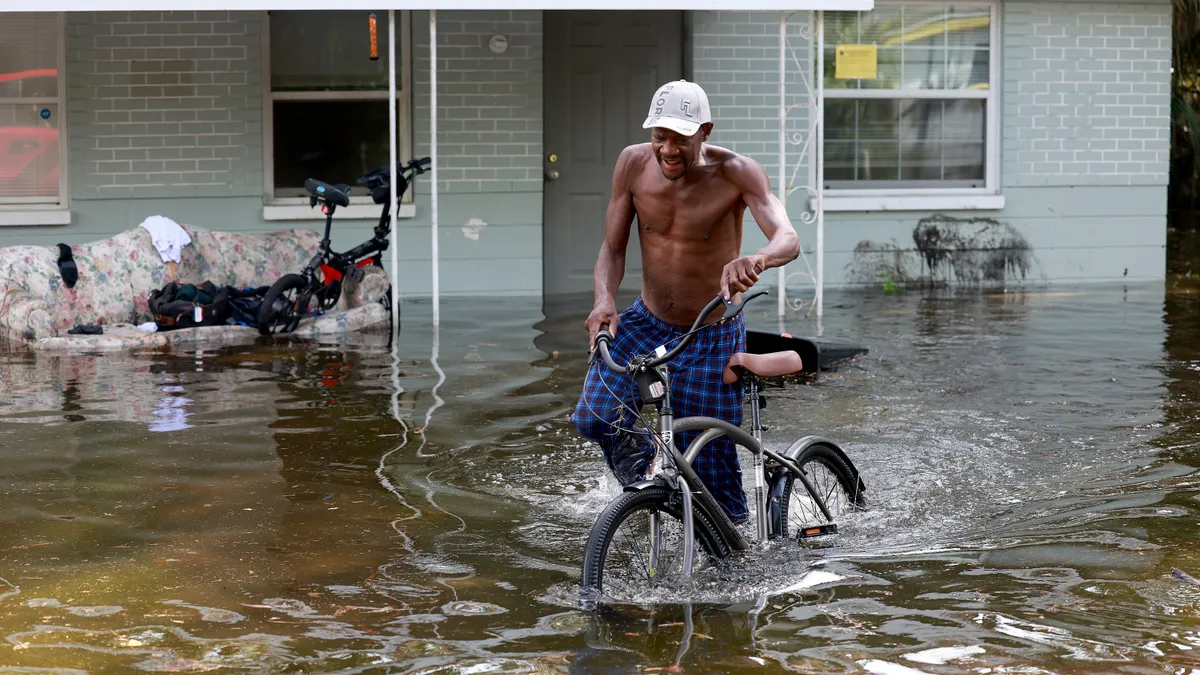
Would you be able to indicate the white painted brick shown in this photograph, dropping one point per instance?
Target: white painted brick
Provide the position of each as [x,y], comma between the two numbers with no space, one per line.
[490,106]
[179,80]
[1111,63]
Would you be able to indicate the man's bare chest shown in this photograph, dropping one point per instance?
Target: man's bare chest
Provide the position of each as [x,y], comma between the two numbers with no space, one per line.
[694,211]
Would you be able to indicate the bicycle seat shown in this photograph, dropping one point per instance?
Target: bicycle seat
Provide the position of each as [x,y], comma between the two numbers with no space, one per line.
[334,194]
[773,364]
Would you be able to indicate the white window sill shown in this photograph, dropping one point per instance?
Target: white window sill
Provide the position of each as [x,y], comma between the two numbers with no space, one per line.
[32,217]
[845,202]
[368,211]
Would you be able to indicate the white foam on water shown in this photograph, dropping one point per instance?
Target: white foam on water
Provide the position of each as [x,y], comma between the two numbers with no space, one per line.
[1015,670]
[813,578]
[480,668]
[1053,636]
[886,668]
[943,655]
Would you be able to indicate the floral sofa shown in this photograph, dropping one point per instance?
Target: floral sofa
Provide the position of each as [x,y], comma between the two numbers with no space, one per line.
[116,276]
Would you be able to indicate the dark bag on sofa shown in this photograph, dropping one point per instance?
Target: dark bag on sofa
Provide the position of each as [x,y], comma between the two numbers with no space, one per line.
[189,306]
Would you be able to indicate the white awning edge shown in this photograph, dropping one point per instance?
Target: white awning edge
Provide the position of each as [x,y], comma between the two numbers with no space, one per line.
[450,5]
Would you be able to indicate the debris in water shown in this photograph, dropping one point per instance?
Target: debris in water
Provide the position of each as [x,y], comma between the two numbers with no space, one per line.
[42,602]
[211,614]
[95,611]
[1183,577]
[467,607]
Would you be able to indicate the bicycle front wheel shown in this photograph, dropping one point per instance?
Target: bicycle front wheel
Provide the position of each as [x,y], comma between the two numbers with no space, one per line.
[636,546]
[831,479]
[283,305]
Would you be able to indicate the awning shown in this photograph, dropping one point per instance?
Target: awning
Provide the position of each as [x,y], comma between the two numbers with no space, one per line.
[449,5]
[784,7]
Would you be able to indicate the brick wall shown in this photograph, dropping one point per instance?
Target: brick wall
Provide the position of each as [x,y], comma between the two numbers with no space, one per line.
[490,105]
[164,104]
[1086,95]
[735,57]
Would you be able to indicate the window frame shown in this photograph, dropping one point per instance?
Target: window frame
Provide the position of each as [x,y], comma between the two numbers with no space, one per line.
[361,205]
[913,198]
[25,211]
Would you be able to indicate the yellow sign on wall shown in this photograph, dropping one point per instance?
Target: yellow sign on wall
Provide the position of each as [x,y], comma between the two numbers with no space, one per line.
[856,62]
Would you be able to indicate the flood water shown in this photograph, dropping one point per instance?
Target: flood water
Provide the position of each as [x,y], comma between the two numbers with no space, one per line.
[1030,457]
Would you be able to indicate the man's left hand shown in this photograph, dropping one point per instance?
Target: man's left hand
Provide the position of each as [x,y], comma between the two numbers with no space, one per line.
[740,274]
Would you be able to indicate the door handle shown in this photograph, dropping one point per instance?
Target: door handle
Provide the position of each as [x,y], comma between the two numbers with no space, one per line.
[552,174]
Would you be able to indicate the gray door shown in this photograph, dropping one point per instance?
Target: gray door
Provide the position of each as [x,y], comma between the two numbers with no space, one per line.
[601,68]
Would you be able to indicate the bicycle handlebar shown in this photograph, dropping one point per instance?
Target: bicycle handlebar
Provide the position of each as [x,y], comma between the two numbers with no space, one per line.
[603,337]
[381,175]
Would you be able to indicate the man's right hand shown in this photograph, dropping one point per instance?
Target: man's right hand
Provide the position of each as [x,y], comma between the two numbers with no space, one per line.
[603,316]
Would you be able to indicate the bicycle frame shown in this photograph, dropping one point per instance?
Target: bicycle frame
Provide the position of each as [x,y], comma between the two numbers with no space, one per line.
[693,487]
[333,265]
[653,382]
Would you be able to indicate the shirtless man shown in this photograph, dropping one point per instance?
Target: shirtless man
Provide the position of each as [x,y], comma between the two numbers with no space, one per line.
[689,198]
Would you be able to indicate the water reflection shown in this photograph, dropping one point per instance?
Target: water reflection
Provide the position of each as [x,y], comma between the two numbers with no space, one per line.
[422,506]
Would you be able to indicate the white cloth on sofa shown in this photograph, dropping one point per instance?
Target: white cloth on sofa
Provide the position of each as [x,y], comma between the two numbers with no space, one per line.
[168,237]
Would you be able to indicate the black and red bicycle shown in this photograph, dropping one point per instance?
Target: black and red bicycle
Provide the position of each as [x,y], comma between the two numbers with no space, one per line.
[318,287]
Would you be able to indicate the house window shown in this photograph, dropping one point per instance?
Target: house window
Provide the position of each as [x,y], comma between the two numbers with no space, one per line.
[31,110]
[927,121]
[327,106]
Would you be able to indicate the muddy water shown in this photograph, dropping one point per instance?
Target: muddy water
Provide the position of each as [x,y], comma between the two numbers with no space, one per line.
[1031,461]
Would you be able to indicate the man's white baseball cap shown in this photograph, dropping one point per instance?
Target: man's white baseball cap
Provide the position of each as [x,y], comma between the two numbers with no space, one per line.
[680,106]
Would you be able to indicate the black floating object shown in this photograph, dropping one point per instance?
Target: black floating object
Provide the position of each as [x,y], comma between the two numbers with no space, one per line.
[87,329]
[66,266]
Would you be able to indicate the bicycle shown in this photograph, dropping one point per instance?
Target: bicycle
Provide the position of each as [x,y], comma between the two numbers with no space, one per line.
[831,483]
[287,301]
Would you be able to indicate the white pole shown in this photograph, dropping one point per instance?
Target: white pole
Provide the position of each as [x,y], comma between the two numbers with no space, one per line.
[393,152]
[433,143]
[782,143]
[820,148]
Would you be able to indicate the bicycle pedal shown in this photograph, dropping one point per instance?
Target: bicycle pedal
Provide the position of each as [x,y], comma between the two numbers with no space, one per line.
[818,531]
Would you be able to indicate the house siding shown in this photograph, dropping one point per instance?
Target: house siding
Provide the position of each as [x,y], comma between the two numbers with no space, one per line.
[489,156]
[1086,94]
[1085,123]
[164,104]
[165,115]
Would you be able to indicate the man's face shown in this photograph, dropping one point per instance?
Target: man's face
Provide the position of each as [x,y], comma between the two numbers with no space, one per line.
[675,152]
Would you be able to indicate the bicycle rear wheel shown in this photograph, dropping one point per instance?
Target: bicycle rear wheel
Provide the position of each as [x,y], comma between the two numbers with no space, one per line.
[618,564]
[831,478]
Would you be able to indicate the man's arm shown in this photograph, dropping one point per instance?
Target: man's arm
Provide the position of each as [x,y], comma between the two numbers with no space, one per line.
[610,263]
[783,244]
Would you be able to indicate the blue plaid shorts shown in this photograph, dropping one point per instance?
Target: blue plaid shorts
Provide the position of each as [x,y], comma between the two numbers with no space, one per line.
[604,413]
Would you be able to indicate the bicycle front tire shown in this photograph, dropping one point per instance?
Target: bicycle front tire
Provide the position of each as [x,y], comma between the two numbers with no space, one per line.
[626,509]
[279,313]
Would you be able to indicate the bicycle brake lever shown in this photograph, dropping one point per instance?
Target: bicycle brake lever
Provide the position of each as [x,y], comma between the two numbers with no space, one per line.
[732,309]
